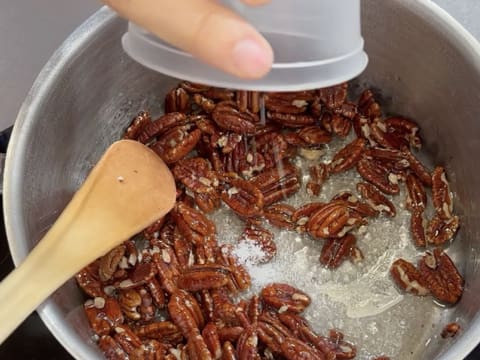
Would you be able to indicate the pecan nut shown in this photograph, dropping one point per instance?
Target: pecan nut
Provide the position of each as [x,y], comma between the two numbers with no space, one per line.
[376,199]
[441,194]
[408,278]
[177,143]
[378,175]
[333,220]
[278,183]
[177,100]
[203,277]
[228,117]
[441,276]
[318,174]
[348,156]
[418,228]
[416,195]
[368,106]
[139,123]
[335,251]
[242,196]
[283,297]
[280,215]
[440,231]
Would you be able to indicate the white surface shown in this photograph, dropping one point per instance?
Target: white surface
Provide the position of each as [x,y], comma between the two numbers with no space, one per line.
[30,30]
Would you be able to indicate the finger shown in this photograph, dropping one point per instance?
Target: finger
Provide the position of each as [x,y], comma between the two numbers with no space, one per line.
[206,30]
[256,2]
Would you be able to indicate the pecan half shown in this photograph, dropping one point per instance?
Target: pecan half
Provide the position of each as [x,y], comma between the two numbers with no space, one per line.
[440,231]
[407,277]
[272,146]
[196,174]
[291,120]
[288,103]
[378,175]
[139,123]
[341,126]
[417,167]
[348,156]
[278,183]
[248,100]
[280,215]
[177,100]
[103,314]
[333,220]
[284,298]
[185,313]
[228,117]
[441,194]
[206,104]
[376,199]
[318,174]
[161,125]
[242,196]
[368,106]
[441,276]
[335,251]
[176,143]
[202,277]
[418,227]
[301,216]
[314,136]
[334,96]
[406,128]
[416,195]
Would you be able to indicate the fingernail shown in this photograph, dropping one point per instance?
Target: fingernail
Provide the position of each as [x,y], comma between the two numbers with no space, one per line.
[252,59]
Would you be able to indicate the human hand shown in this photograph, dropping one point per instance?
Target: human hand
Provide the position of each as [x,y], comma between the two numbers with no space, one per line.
[206,30]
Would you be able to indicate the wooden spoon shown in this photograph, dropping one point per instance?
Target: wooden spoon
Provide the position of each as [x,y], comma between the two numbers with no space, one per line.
[127,190]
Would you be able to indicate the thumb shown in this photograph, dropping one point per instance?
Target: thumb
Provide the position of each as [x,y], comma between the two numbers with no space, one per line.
[205,29]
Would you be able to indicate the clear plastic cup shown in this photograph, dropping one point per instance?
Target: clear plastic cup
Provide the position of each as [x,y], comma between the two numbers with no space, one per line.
[316,43]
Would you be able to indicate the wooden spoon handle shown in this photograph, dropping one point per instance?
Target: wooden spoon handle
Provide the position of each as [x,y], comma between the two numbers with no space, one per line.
[128,190]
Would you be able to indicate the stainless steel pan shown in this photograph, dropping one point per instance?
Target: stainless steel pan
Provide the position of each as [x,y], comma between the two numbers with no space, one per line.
[427,66]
